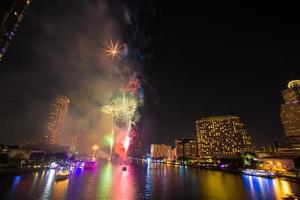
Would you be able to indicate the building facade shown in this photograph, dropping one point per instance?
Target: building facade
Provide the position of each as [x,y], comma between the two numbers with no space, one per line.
[275,164]
[56,119]
[172,155]
[222,136]
[290,114]
[160,151]
[186,148]
[11,15]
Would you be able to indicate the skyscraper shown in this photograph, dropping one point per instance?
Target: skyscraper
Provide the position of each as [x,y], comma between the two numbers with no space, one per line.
[186,148]
[11,15]
[56,119]
[290,114]
[222,136]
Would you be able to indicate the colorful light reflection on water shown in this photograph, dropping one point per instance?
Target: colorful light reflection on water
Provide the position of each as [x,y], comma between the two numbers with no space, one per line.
[143,181]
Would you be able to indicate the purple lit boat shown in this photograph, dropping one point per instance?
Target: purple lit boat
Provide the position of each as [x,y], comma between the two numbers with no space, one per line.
[90,164]
[260,173]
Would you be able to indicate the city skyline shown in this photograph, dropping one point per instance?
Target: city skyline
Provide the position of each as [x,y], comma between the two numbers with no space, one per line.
[245,79]
[134,99]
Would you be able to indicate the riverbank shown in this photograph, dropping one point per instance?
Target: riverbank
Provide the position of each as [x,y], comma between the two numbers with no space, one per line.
[288,177]
[5,172]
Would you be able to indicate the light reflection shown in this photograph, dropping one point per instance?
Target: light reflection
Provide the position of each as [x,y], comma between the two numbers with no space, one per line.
[48,187]
[60,189]
[219,185]
[148,184]
[276,187]
[261,186]
[105,188]
[15,184]
[34,182]
[125,187]
[286,188]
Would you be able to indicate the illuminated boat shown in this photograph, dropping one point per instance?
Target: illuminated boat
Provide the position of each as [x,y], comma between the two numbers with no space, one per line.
[260,173]
[124,168]
[62,173]
[53,165]
[91,164]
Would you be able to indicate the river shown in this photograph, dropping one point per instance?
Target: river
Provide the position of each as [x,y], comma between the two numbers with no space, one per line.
[143,181]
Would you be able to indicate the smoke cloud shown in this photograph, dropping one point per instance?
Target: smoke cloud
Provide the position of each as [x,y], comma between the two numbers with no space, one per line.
[61,55]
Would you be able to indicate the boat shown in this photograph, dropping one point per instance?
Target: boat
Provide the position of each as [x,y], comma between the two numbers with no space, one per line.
[124,168]
[260,173]
[62,174]
[91,164]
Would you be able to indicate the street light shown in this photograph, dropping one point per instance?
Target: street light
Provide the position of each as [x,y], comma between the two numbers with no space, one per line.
[95,148]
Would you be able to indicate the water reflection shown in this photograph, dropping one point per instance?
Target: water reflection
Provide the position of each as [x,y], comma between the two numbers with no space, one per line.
[15,184]
[60,189]
[124,185]
[149,181]
[262,188]
[105,181]
[50,178]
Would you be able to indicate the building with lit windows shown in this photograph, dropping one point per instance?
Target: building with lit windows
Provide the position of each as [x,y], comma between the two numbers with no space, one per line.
[160,151]
[222,136]
[186,148]
[11,15]
[56,119]
[172,155]
[290,114]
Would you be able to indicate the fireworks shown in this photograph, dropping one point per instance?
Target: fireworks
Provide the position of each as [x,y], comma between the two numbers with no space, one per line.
[113,50]
[123,108]
[109,140]
[126,142]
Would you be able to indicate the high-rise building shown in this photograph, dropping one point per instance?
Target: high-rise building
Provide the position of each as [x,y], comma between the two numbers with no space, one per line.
[172,155]
[222,136]
[11,15]
[56,119]
[186,148]
[290,114]
[160,151]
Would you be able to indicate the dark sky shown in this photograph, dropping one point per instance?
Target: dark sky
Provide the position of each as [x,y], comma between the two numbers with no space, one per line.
[200,60]
[218,59]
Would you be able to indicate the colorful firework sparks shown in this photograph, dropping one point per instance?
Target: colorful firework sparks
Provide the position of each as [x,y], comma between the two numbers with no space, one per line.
[113,50]
[109,140]
[132,86]
[123,108]
[126,143]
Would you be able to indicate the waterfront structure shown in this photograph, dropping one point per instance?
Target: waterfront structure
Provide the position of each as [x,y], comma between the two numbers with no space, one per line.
[160,151]
[186,148]
[290,114]
[276,164]
[222,136]
[74,145]
[172,155]
[56,119]
[11,15]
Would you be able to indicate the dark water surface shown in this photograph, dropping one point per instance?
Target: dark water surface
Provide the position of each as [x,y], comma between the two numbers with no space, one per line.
[142,181]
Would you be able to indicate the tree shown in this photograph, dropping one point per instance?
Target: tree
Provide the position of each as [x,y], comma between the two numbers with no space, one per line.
[3,158]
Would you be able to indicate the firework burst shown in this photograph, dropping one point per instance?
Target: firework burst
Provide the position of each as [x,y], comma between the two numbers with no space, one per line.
[123,108]
[113,50]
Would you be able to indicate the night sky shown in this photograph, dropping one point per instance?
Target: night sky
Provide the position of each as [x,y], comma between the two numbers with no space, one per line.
[197,60]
